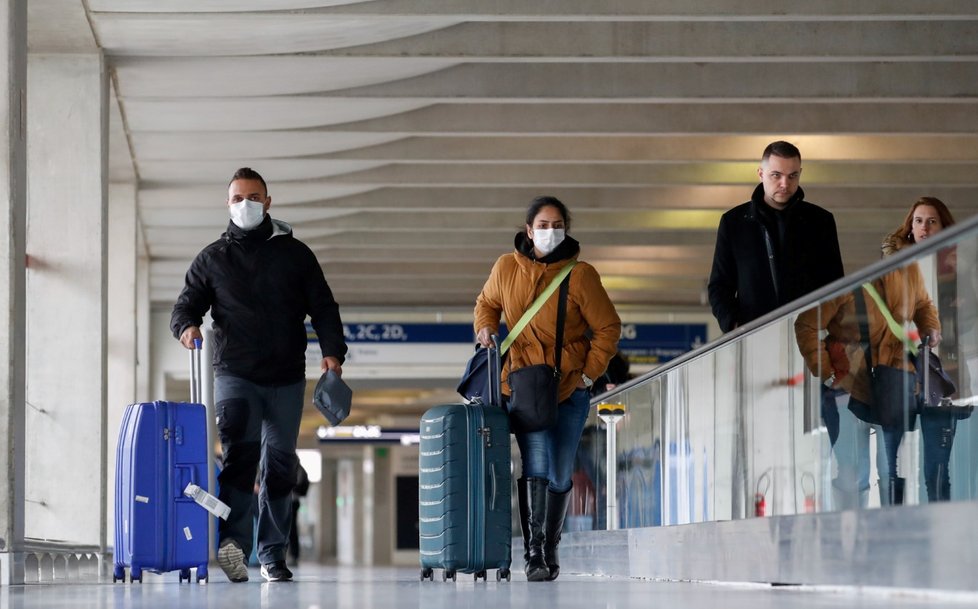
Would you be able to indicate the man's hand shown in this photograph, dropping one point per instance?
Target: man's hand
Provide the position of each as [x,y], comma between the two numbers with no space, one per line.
[331,363]
[934,338]
[189,335]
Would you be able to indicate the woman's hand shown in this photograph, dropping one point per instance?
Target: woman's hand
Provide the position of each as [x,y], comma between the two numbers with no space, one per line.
[484,337]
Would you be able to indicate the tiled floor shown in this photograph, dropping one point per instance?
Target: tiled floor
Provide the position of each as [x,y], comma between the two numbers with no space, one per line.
[319,587]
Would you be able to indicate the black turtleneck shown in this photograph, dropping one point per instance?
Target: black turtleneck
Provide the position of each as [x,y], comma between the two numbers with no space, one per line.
[260,233]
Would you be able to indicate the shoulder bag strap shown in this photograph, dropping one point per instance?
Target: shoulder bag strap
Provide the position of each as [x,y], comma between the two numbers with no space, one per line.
[535,307]
[561,316]
[895,328]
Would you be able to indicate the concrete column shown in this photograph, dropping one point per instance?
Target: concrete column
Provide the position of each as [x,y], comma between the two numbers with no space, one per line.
[383,506]
[121,330]
[13,236]
[347,517]
[327,511]
[67,294]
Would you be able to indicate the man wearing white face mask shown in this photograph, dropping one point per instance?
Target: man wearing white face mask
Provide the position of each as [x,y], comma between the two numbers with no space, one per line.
[259,283]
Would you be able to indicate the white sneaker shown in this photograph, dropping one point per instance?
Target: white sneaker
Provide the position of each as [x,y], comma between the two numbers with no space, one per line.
[231,559]
[276,572]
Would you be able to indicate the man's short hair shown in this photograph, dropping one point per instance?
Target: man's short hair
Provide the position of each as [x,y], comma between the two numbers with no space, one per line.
[247,173]
[780,148]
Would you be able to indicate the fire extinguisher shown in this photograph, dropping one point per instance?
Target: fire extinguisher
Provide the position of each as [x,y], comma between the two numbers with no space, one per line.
[809,493]
[760,503]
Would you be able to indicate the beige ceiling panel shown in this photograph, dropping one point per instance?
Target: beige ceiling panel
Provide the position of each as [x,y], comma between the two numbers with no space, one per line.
[291,194]
[210,6]
[156,146]
[543,175]
[818,80]
[250,114]
[679,40]
[670,10]
[231,34]
[228,77]
[661,147]
[216,172]
[216,215]
[777,118]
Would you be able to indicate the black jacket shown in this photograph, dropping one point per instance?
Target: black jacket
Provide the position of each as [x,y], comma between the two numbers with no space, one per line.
[260,285]
[749,279]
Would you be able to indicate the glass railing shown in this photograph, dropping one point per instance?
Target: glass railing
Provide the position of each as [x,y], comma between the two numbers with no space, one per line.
[748,425]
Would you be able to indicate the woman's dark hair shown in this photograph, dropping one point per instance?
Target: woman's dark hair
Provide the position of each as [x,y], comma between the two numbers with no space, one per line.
[540,202]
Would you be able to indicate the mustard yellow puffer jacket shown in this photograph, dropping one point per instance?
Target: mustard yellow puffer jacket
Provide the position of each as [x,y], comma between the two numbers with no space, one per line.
[515,282]
[904,292]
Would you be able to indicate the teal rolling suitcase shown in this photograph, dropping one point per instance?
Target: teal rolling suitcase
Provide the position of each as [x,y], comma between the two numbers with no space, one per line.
[464,488]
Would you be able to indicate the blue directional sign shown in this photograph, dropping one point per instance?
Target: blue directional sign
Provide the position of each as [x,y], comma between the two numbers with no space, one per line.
[659,343]
[399,333]
[642,343]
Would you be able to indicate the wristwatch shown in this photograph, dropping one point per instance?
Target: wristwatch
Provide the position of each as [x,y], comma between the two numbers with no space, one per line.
[587,380]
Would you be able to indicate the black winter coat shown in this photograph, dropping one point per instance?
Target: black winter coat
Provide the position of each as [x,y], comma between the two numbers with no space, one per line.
[259,286]
[746,282]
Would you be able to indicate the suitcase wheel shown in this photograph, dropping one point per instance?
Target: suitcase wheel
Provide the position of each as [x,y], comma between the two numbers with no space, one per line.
[481,575]
[119,574]
[184,575]
[502,574]
[446,575]
[427,573]
[135,577]
[202,574]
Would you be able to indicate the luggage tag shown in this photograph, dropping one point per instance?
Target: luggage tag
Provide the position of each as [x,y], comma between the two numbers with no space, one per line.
[207,501]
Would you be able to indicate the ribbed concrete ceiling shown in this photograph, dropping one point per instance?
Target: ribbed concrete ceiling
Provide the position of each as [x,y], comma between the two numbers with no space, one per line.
[403,139]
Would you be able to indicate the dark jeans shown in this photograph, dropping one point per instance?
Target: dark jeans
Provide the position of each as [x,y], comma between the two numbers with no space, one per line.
[258,426]
[830,412]
[891,440]
[550,453]
[938,433]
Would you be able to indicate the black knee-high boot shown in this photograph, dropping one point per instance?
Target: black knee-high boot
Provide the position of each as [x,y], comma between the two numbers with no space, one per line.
[557,504]
[524,506]
[536,494]
[896,490]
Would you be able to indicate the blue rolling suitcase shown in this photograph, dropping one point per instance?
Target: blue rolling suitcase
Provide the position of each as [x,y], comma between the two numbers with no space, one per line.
[464,488]
[162,449]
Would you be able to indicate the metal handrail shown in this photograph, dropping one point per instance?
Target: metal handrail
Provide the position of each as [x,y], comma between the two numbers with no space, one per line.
[845,284]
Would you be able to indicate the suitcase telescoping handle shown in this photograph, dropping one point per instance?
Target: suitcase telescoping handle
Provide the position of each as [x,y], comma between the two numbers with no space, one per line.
[495,373]
[196,396]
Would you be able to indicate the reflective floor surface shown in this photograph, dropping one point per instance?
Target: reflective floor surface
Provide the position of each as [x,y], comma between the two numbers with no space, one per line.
[318,587]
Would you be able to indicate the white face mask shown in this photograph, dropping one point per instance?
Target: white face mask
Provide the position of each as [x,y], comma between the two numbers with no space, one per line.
[547,239]
[247,214]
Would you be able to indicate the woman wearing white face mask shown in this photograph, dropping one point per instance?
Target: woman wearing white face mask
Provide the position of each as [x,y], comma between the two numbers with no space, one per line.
[542,249]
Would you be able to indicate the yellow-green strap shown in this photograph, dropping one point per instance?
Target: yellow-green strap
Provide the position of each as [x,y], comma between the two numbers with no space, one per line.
[537,304]
[895,328]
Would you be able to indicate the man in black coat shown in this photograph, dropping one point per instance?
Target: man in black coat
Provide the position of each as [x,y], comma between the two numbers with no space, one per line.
[259,283]
[773,249]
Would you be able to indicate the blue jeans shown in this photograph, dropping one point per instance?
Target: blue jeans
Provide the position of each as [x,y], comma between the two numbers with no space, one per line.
[892,438]
[549,454]
[258,426]
[852,455]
